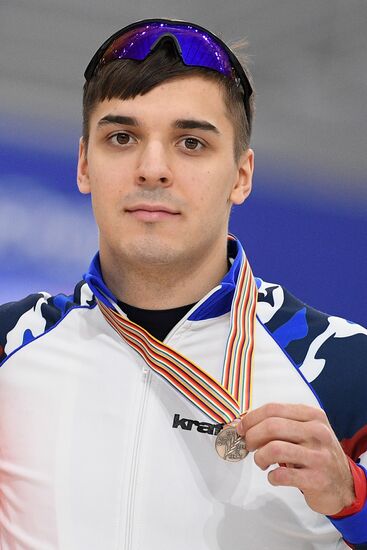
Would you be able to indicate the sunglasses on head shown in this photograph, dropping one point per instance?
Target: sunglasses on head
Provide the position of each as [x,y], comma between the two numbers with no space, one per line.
[196,46]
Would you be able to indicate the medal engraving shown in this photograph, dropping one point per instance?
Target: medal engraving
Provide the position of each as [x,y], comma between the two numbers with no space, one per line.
[230,446]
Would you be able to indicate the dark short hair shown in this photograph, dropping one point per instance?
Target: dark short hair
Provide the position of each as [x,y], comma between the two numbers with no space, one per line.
[125,79]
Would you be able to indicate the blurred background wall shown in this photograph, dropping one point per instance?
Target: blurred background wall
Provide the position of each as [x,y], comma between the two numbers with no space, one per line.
[305,223]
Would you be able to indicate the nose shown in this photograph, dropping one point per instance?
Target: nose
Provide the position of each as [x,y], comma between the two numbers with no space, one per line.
[153,168]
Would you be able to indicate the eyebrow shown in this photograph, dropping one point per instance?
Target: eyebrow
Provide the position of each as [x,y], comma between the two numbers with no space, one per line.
[118,119]
[183,124]
[192,124]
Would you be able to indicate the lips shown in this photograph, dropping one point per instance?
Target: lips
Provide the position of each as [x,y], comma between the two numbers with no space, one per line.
[152,212]
[152,208]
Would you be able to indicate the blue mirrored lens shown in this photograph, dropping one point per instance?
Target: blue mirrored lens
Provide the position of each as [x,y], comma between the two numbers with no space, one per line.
[196,47]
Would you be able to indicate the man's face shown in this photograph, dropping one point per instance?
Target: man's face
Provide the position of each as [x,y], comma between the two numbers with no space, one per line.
[162,174]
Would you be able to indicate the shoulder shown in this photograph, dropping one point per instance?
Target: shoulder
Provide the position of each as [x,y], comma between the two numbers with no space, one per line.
[24,320]
[302,330]
[330,352]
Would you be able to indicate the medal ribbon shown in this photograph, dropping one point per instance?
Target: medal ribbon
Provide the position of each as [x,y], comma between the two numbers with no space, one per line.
[240,345]
[222,402]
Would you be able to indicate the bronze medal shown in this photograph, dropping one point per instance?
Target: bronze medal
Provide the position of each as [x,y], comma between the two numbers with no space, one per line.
[229,445]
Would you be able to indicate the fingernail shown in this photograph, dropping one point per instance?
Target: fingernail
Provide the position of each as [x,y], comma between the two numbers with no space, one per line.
[239,429]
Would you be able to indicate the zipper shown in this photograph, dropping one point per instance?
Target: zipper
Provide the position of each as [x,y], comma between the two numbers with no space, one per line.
[135,457]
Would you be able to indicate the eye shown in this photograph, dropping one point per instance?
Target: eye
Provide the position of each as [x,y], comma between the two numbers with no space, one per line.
[121,138]
[192,143]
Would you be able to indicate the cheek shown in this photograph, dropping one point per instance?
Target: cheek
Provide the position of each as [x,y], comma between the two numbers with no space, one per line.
[106,182]
[214,189]
[210,206]
[104,195]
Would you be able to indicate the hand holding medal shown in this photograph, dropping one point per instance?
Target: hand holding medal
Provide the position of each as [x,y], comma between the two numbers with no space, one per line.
[300,442]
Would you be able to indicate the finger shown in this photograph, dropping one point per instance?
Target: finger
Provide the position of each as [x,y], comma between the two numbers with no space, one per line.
[312,434]
[274,428]
[305,479]
[320,494]
[300,478]
[300,413]
[281,452]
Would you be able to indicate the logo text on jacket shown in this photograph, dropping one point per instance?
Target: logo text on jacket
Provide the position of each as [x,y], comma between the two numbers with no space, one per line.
[202,427]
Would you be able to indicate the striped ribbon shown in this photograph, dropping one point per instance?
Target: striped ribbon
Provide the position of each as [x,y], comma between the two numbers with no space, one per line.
[222,402]
[240,345]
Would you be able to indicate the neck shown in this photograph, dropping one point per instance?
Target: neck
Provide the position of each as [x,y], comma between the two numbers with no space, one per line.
[163,286]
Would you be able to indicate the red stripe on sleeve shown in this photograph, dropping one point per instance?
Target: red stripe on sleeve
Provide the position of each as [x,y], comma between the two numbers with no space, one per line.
[360,489]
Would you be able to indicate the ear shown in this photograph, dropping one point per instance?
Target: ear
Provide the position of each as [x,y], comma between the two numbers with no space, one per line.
[243,185]
[83,169]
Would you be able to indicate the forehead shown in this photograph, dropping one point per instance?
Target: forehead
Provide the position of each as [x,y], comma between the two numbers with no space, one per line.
[177,98]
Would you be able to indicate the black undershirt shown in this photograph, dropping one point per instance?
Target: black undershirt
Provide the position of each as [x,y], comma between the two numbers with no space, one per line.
[159,322]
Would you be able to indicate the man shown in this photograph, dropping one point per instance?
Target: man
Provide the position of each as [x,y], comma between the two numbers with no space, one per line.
[142,411]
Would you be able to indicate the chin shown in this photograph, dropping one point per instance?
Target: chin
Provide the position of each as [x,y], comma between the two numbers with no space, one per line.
[152,251]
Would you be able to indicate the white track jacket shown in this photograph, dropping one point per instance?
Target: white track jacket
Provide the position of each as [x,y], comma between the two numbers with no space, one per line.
[97,452]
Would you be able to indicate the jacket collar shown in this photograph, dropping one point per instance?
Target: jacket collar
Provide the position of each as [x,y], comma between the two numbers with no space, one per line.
[218,301]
